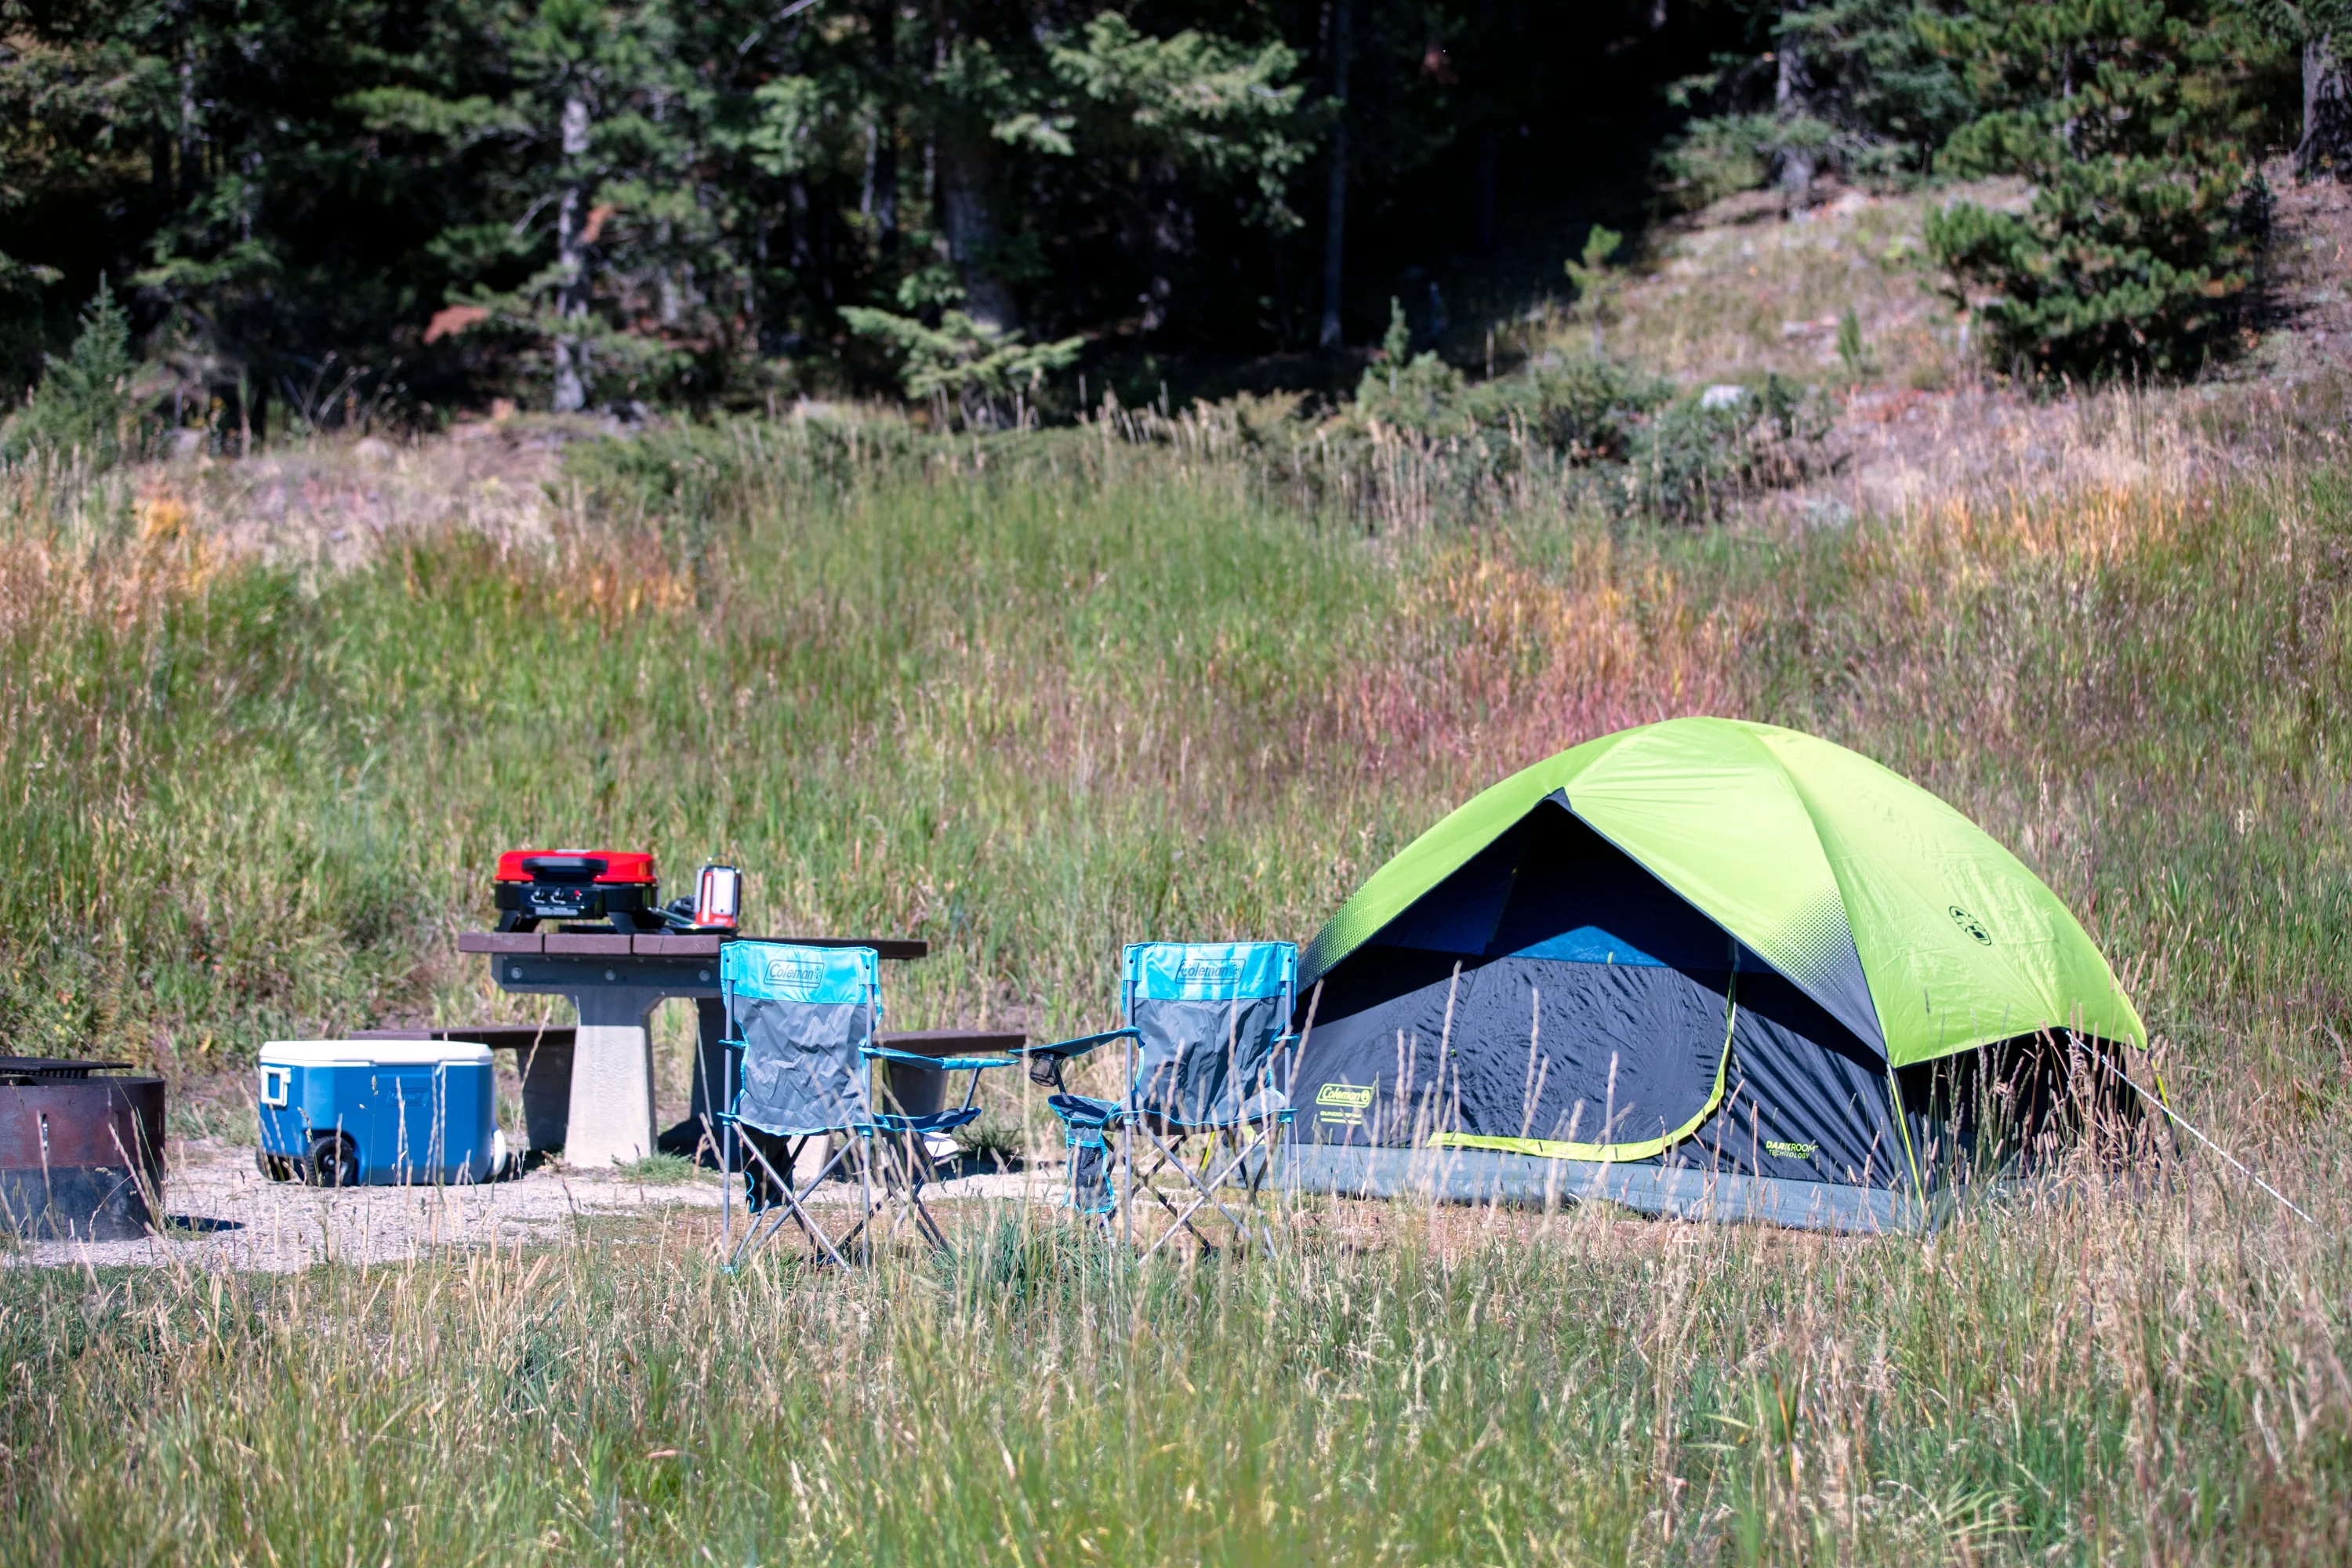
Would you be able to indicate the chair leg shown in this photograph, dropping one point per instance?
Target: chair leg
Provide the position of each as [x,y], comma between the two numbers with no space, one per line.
[1163,1200]
[1169,1156]
[1168,1159]
[1182,1220]
[1166,1156]
[801,1217]
[924,1222]
[1244,1230]
[792,1158]
[866,1193]
[753,1236]
[919,1170]
[903,1164]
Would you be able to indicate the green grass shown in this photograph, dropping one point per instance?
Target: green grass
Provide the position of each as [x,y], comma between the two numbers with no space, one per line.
[1034,698]
[658,1171]
[1035,710]
[2083,1383]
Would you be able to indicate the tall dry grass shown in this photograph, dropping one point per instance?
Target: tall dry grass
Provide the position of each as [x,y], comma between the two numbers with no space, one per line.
[2122,1373]
[1034,696]
[1031,696]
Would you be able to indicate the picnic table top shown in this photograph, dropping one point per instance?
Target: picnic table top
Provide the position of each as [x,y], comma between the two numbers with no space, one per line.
[498,1037]
[607,944]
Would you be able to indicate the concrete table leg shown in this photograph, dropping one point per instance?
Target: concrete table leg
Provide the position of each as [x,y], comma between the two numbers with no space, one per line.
[711,1085]
[698,1137]
[546,1072]
[612,1079]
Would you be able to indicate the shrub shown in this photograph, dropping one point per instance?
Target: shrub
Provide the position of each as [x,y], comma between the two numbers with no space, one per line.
[982,368]
[84,402]
[1597,284]
[1582,410]
[1696,453]
[658,1170]
[2131,255]
[1680,459]
[994,1141]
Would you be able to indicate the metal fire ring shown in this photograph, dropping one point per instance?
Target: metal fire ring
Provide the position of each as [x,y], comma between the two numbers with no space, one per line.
[80,1156]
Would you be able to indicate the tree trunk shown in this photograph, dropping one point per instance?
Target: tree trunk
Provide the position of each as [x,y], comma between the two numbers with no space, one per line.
[1489,151]
[1795,169]
[1165,241]
[2325,150]
[882,173]
[1335,212]
[1491,43]
[967,164]
[192,136]
[879,201]
[824,245]
[159,173]
[571,259]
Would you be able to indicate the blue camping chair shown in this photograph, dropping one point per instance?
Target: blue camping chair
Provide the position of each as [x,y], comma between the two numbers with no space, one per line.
[1207,1031]
[801,1053]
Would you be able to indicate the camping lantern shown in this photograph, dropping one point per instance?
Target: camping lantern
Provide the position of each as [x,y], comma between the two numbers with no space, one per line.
[535,885]
[718,898]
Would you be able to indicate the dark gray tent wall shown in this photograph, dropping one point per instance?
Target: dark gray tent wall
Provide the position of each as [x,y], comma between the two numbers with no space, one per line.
[1554,989]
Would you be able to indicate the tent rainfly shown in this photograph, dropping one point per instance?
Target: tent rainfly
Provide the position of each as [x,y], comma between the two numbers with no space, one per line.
[1703,967]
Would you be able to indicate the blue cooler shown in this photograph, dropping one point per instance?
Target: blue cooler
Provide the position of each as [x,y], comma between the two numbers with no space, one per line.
[344,1112]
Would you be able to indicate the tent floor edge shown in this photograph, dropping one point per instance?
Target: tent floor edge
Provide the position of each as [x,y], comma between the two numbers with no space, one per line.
[1483,1175]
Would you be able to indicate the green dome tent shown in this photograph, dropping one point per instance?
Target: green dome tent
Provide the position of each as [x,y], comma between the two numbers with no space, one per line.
[1703,967]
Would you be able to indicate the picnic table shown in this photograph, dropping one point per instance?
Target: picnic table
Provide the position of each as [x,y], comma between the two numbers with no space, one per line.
[616,979]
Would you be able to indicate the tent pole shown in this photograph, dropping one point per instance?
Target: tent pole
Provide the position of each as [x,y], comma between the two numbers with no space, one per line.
[1903,1125]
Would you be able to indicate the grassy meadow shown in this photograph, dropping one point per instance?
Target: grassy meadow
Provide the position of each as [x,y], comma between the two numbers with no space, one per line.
[1033,696]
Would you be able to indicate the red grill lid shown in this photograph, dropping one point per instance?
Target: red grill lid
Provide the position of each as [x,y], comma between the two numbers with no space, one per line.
[576,866]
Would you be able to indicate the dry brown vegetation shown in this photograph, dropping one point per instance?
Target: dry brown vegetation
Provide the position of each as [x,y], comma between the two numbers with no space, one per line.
[1034,695]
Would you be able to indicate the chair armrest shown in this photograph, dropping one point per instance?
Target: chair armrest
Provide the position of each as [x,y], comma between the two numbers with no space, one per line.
[1080,1046]
[1282,1041]
[936,1064]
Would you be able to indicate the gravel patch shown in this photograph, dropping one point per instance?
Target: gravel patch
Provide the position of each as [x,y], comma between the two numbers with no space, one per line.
[225,1215]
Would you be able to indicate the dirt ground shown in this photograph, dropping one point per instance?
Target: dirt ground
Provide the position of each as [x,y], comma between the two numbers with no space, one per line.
[223,1213]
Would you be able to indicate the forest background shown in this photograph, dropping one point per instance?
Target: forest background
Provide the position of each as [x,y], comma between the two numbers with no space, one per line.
[317,213]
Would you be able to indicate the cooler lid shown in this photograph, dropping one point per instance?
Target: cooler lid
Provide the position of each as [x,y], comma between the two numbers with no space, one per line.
[372,1053]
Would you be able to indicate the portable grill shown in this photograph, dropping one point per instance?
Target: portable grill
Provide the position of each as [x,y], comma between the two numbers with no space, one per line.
[615,886]
[611,885]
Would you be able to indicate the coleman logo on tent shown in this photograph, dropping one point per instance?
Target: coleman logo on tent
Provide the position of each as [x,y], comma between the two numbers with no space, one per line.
[1342,1104]
[1970,924]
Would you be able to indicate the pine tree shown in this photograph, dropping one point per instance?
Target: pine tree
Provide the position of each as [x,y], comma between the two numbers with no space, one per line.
[602,249]
[2122,114]
[1871,73]
[84,407]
